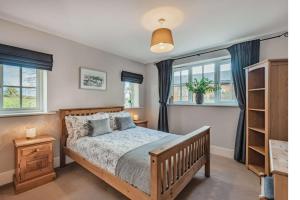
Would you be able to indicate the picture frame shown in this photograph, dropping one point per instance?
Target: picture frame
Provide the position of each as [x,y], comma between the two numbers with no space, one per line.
[92,79]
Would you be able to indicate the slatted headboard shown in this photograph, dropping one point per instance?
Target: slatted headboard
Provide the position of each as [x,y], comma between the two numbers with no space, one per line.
[78,112]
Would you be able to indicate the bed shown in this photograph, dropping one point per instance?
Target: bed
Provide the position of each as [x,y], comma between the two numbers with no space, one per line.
[149,165]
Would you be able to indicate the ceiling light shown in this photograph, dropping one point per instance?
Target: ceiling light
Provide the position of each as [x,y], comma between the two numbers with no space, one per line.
[162,40]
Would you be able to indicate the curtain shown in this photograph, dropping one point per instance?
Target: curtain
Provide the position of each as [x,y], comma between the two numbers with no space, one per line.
[132,77]
[164,85]
[242,55]
[15,56]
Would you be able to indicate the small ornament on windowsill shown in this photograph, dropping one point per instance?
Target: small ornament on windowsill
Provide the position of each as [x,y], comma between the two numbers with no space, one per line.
[30,133]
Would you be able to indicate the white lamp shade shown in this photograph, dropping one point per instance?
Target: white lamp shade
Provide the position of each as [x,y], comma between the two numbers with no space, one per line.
[30,132]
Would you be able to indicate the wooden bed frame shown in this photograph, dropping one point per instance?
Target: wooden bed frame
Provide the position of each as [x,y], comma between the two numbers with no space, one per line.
[187,155]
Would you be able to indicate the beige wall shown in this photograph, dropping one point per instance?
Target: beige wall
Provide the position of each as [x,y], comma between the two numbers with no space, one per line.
[63,83]
[223,120]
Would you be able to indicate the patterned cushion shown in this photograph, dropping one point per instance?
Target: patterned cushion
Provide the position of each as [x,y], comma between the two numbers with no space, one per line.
[124,123]
[99,127]
[77,125]
[112,117]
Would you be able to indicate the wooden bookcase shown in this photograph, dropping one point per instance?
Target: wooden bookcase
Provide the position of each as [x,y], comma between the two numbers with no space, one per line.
[266,111]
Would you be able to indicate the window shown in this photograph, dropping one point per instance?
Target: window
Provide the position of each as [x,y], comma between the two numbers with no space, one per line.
[131,95]
[20,89]
[218,70]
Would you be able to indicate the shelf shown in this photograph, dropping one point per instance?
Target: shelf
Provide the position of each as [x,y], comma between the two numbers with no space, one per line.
[258,110]
[258,130]
[256,169]
[258,149]
[256,89]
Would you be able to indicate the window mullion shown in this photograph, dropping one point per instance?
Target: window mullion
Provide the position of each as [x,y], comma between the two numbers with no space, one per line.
[217,82]
[180,87]
[1,87]
[190,79]
[21,91]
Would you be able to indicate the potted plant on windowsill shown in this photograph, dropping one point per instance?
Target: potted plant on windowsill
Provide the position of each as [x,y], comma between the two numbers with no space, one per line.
[201,87]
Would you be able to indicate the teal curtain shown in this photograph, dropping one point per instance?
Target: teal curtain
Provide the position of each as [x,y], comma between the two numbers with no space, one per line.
[242,55]
[164,85]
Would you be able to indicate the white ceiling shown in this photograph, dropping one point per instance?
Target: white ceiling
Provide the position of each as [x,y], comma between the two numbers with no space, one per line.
[116,26]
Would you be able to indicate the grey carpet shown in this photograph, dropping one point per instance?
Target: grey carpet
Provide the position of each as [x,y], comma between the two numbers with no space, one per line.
[229,180]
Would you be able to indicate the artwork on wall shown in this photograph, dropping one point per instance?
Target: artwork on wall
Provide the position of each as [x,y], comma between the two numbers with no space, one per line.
[92,79]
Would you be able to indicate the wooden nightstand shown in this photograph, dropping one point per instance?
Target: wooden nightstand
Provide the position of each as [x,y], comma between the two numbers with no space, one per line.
[142,123]
[34,162]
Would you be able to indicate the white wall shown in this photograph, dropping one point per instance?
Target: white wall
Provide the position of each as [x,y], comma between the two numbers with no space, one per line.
[223,120]
[63,84]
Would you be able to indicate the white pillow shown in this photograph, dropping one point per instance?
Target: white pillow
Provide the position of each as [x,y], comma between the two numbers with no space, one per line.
[113,115]
[77,125]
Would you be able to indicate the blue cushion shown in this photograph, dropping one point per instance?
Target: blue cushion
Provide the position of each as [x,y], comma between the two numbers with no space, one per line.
[124,123]
[99,127]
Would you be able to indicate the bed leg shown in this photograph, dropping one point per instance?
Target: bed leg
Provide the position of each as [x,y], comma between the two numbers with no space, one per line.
[62,158]
[207,168]
[207,164]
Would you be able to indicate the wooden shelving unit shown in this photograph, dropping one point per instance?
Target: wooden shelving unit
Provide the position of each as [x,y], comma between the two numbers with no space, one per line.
[266,116]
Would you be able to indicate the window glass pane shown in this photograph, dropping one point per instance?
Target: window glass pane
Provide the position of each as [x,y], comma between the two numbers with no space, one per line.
[209,97]
[227,92]
[209,71]
[225,72]
[11,97]
[131,95]
[176,77]
[185,93]
[197,72]
[28,77]
[176,93]
[11,75]
[29,99]
[184,76]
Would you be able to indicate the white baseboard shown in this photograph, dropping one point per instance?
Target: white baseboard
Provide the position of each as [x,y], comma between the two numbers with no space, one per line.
[7,177]
[221,151]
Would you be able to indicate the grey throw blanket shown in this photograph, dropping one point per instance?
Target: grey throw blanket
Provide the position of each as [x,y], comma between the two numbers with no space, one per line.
[134,166]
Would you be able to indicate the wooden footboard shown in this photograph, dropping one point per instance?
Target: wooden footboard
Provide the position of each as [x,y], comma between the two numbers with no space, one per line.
[174,165]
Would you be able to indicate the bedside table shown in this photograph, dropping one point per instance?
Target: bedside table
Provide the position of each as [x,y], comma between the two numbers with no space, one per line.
[34,162]
[142,123]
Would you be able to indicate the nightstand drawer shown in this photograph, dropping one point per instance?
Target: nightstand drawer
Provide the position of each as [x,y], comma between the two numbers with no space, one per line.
[36,151]
[34,168]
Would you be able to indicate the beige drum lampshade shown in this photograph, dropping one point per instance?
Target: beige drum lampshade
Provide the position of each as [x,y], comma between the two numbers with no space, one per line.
[162,40]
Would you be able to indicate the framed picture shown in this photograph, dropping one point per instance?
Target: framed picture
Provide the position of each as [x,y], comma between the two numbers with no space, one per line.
[92,79]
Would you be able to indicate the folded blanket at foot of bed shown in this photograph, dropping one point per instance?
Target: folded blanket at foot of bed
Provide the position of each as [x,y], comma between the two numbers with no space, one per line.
[134,166]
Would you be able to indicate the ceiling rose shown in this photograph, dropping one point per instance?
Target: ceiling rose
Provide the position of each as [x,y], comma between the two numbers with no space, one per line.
[172,15]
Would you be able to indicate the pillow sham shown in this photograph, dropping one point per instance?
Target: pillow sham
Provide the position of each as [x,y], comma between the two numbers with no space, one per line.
[99,127]
[77,125]
[112,117]
[124,123]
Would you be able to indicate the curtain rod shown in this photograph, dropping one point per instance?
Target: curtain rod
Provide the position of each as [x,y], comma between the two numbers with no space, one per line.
[285,34]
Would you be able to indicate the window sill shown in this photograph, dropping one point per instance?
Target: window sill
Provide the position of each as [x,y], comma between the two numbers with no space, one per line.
[133,108]
[26,114]
[204,105]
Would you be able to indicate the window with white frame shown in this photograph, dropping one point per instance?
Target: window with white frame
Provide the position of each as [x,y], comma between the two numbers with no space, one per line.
[131,95]
[217,70]
[21,89]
